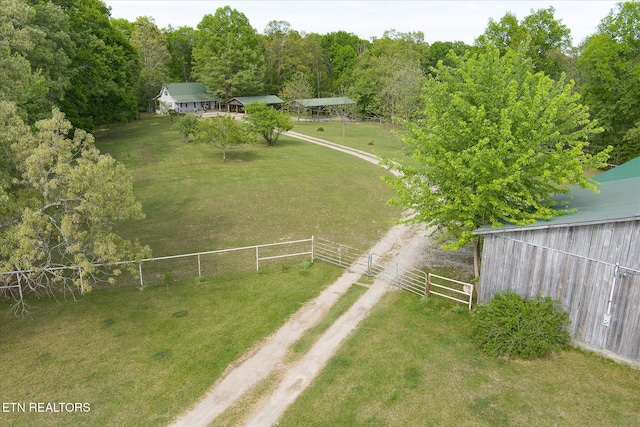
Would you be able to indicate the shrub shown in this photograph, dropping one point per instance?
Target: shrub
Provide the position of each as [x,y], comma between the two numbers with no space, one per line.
[511,326]
[320,129]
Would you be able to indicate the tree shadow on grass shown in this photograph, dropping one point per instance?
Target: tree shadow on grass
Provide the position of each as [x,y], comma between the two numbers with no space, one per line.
[242,155]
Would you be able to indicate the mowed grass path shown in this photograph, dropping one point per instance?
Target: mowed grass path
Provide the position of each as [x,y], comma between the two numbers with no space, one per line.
[141,357]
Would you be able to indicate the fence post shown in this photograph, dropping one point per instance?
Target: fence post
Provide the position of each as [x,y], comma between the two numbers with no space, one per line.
[257,258]
[19,286]
[427,289]
[140,273]
[313,248]
[369,262]
[199,269]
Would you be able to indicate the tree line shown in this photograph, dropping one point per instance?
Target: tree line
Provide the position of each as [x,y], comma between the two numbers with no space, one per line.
[97,69]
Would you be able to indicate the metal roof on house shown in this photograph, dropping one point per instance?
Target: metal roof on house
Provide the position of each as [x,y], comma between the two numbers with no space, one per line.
[618,199]
[246,100]
[324,102]
[190,92]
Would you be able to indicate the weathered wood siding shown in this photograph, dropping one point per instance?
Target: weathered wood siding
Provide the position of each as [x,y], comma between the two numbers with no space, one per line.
[576,266]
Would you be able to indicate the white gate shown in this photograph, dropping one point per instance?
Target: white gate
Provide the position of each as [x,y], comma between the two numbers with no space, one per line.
[402,276]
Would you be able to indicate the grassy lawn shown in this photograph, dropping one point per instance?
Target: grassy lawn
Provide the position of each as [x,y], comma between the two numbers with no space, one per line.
[196,202]
[411,363]
[371,137]
[141,357]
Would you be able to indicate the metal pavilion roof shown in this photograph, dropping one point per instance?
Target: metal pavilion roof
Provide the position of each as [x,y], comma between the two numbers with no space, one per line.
[246,100]
[324,102]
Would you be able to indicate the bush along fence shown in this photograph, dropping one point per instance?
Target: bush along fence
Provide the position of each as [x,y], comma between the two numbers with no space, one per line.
[314,248]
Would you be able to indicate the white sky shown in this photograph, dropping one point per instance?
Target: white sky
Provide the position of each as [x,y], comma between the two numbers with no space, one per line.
[438,20]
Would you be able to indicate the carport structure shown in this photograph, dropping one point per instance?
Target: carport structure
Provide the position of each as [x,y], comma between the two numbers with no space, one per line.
[238,103]
[319,105]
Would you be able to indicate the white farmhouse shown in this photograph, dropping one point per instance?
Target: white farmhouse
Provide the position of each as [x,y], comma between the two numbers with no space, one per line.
[186,98]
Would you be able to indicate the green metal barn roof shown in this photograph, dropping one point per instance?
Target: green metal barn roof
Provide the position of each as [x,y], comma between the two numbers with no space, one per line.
[618,200]
[631,169]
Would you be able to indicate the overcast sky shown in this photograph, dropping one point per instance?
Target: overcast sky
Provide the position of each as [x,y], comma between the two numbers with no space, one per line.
[438,20]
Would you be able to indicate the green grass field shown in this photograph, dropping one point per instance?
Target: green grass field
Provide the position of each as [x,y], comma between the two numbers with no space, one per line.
[196,202]
[411,363]
[140,357]
[371,137]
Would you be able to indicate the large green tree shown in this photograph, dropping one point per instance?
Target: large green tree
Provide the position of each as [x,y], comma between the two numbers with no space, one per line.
[314,61]
[104,67]
[228,55]
[224,133]
[387,76]
[609,65]
[283,52]
[340,53]
[497,143]
[267,121]
[180,45]
[541,36]
[154,57]
[63,199]
[35,55]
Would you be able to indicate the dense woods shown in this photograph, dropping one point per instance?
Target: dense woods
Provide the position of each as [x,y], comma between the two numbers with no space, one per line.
[72,55]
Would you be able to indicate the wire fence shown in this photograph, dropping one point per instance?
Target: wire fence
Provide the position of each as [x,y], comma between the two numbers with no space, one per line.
[167,269]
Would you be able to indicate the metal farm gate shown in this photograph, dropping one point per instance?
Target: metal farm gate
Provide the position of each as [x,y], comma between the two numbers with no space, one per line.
[393,273]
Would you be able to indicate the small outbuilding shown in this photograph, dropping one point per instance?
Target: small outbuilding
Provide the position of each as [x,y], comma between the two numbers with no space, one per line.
[186,98]
[320,105]
[238,103]
[589,261]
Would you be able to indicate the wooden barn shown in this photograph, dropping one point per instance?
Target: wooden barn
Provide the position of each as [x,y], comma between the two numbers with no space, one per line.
[589,260]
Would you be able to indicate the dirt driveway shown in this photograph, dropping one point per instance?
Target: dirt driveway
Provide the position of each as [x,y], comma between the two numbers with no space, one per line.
[407,245]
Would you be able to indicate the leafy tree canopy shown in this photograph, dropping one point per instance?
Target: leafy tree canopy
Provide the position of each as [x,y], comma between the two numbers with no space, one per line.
[62,203]
[227,54]
[180,45]
[609,65]
[149,41]
[539,33]
[224,133]
[497,143]
[104,65]
[187,125]
[267,121]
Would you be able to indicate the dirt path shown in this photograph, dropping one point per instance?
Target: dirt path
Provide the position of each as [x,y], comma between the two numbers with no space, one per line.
[269,356]
[405,244]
